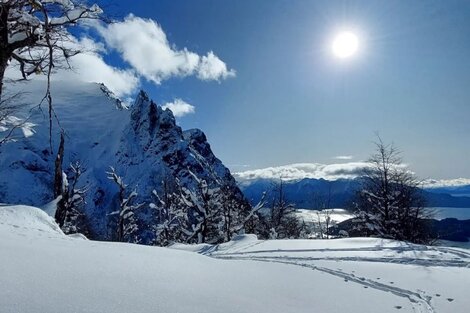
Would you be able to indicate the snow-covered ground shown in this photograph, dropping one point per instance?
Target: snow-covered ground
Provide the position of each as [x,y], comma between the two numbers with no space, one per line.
[398,275]
[42,270]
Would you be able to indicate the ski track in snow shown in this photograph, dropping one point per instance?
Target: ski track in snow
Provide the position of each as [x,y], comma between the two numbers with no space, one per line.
[409,261]
[457,253]
[419,300]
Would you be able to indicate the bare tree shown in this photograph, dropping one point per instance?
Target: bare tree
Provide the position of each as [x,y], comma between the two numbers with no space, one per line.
[390,203]
[280,220]
[60,182]
[322,203]
[34,34]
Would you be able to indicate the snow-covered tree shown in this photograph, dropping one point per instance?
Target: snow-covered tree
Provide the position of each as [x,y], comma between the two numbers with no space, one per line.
[234,214]
[69,213]
[203,214]
[204,220]
[127,220]
[245,219]
[390,203]
[74,200]
[170,214]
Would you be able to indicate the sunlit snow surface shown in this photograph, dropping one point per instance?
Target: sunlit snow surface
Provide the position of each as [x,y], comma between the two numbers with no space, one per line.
[42,270]
[314,216]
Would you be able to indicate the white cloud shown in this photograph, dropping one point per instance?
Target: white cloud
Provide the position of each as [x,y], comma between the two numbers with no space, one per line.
[343,157]
[437,183]
[89,66]
[212,68]
[300,171]
[179,107]
[144,45]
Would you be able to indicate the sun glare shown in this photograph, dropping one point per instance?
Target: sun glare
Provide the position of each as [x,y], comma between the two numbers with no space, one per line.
[345,45]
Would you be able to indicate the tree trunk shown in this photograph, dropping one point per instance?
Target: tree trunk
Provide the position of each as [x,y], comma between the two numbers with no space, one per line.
[4,51]
[58,169]
[121,228]
[3,67]
[59,189]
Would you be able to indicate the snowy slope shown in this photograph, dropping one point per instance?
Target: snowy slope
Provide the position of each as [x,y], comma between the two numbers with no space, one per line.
[42,270]
[143,143]
[87,116]
[419,278]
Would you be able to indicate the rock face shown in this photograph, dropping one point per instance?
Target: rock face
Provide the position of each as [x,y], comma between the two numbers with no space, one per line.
[143,143]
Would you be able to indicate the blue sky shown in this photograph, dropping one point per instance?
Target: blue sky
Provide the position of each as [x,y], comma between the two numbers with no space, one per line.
[292,101]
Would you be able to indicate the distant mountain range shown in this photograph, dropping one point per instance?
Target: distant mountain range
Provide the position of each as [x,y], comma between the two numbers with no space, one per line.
[458,191]
[307,193]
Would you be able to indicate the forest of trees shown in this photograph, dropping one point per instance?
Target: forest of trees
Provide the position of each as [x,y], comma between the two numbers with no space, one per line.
[205,215]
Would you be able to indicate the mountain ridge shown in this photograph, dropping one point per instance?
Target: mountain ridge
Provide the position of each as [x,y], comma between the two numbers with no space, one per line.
[143,143]
[306,193]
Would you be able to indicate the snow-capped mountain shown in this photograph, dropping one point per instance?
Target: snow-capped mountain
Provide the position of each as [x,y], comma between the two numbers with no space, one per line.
[143,143]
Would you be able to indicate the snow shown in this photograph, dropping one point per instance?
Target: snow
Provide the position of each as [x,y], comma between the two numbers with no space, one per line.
[51,207]
[143,143]
[17,37]
[88,117]
[312,216]
[26,217]
[421,278]
[42,270]
[10,122]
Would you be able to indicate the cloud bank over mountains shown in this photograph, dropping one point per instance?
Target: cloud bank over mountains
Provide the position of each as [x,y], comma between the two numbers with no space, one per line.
[439,183]
[300,171]
[350,170]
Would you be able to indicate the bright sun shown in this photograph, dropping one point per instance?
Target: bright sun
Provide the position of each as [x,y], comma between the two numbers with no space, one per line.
[345,45]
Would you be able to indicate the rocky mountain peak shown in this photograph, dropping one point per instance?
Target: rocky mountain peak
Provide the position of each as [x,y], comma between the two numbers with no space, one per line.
[144,145]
